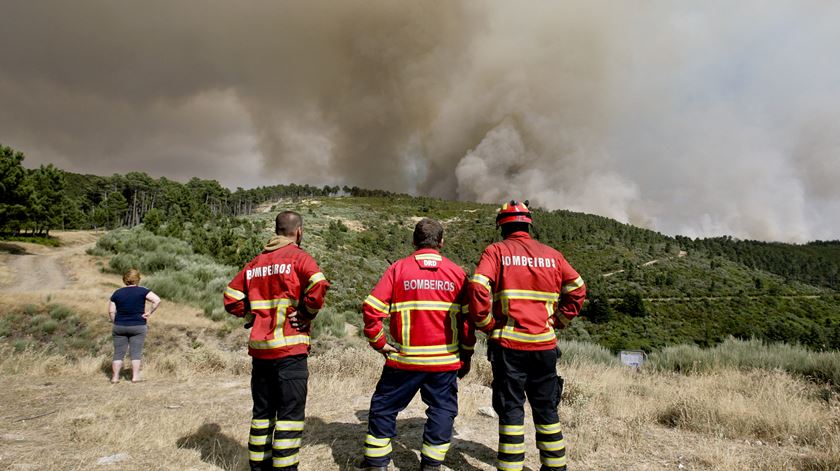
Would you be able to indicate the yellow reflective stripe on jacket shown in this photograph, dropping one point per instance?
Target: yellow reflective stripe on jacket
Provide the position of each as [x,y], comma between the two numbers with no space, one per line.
[548,429]
[428,256]
[279,340]
[405,327]
[526,294]
[481,279]
[421,360]
[507,332]
[484,322]
[377,336]
[428,349]
[315,279]
[435,452]
[573,285]
[511,429]
[289,425]
[425,306]
[235,293]
[282,341]
[376,304]
[271,303]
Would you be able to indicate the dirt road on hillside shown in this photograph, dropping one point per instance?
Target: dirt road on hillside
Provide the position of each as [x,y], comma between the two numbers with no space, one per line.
[31,272]
[32,268]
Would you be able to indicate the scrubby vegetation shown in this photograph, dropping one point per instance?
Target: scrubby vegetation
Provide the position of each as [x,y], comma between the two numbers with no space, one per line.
[51,327]
[642,293]
[821,367]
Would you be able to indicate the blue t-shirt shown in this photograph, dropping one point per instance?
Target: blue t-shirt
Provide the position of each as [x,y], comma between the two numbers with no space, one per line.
[131,304]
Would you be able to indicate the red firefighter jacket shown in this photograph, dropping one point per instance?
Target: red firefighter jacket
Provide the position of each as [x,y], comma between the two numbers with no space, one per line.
[422,296]
[271,286]
[521,291]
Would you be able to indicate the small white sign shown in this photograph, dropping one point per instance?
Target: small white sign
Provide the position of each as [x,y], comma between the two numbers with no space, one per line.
[632,358]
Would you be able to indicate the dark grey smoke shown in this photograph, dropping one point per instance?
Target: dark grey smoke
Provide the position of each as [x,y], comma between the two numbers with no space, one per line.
[702,119]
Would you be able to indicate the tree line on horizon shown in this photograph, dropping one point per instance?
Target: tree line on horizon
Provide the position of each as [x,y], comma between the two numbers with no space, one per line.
[39,200]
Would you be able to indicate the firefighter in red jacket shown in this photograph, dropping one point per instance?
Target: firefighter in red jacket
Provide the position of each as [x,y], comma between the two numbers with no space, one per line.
[284,289]
[521,292]
[433,345]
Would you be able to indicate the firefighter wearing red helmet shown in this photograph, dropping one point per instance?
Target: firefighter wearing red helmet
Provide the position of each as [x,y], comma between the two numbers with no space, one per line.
[521,292]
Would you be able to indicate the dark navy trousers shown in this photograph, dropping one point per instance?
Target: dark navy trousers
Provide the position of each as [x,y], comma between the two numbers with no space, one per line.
[395,390]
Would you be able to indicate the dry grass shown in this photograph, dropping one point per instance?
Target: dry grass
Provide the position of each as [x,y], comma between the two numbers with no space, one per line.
[194,409]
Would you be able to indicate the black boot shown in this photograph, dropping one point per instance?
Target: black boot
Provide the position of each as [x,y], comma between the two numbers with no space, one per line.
[364,466]
[429,467]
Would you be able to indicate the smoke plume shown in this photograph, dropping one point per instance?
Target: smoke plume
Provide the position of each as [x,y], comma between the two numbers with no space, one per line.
[701,119]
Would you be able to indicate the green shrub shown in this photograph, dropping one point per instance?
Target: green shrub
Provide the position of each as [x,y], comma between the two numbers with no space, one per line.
[122,262]
[54,327]
[329,322]
[60,312]
[575,352]
[749,354]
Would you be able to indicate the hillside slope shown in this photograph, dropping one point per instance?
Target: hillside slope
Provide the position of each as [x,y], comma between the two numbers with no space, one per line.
[690,293]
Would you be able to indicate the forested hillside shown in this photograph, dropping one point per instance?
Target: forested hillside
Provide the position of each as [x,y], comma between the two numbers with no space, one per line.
[646,290]
[35,201]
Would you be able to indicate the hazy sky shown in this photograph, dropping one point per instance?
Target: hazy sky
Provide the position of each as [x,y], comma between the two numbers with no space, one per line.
[697,118]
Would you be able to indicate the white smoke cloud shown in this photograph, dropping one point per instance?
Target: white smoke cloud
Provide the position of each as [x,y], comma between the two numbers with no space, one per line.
[695,118]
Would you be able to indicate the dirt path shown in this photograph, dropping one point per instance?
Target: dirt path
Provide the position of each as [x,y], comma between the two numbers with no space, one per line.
[33,268]
[681,254]
[31,273]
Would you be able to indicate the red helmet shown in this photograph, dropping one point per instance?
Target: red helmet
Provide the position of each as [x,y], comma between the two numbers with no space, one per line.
[513,211]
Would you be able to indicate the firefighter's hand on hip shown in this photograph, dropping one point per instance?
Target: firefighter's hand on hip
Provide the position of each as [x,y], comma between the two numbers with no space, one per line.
[298,322]
[388,348]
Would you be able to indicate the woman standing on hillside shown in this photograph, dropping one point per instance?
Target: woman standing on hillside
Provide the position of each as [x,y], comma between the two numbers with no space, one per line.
[128,313]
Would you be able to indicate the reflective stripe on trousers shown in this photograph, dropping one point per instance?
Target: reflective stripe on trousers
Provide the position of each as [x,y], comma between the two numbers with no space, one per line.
[517,375]
[278,389]
[394,391]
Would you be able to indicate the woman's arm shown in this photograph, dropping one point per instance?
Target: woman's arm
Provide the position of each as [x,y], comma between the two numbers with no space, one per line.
[112,311]
[155,300]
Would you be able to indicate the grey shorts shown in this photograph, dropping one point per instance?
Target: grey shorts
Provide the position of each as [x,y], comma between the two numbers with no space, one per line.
[131,338]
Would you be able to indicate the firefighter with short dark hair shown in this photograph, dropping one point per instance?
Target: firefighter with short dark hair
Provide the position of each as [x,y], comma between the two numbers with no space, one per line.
[433,345]
[283,289]
[521,291]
